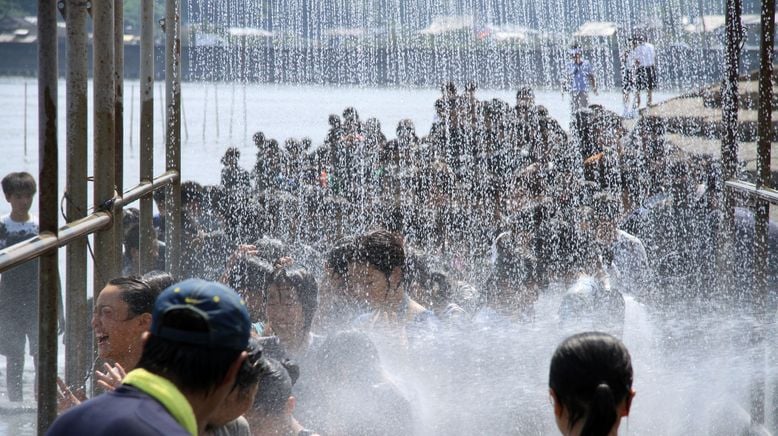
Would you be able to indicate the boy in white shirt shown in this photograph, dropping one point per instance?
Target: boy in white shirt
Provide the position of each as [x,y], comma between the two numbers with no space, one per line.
[18,286]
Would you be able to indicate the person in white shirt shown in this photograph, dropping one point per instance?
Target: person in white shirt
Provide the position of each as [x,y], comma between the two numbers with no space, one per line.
[645,58]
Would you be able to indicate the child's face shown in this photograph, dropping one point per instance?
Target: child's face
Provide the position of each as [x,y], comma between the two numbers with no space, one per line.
[20,201]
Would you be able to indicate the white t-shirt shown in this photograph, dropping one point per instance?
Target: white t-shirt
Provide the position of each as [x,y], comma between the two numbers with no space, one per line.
[12,231]
[645,54]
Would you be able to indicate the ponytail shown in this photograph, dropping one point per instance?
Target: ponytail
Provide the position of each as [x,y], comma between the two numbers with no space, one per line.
[602,412]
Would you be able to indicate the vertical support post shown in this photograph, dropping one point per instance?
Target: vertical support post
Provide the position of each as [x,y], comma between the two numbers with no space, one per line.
[77,350]
[48,290]
[764,132]
[729,144]
[104,137]
[147,236]
[173,135]
[762,212]
[118,61]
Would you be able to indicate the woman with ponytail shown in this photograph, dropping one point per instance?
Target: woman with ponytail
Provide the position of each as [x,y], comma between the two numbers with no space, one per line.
[590,383]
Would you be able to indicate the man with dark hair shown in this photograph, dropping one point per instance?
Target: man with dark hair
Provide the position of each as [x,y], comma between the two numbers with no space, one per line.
[191,357]
[376,278]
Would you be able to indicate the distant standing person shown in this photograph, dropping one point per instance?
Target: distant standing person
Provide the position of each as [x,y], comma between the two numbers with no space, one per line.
[645,58]
[580,78]
[18,286]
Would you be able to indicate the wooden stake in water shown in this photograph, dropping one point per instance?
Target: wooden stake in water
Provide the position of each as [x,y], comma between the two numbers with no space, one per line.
[205,112]
[232,110]
[132,114]
[245,116]
[162,109]
[216,106]
[183,120]
[25,121]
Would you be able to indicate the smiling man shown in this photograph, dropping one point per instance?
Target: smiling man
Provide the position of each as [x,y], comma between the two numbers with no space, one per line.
[191,356]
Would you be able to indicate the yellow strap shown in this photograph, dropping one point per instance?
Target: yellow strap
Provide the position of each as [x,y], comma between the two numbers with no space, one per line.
[162,390]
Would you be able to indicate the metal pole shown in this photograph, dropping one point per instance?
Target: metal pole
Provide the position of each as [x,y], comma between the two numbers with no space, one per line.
[764,130]
[25,121]
[118,50]
[147,235]
[104,137]
[762,212]
[173,134]
[48,289]
[77,350]
[729,145]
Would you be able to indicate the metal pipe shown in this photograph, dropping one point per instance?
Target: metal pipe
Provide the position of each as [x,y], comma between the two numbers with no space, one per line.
[104,136]
[767,194]
[729,145]
[762,212]
[147,234]
[23,251]
[173,135]
[77,350]
[48,286]
[118,80]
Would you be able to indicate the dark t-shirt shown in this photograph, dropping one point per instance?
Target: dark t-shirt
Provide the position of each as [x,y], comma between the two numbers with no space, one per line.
[125,411]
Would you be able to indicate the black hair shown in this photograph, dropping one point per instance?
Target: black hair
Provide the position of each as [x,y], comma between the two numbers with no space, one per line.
[381,249]
[340,254]
[138,295]
[591,374]
[192,367]
[191,192]
[132,238]
[251,369]
[159,196]
[21,182]
[276,379]
[158,280]
[304,284]
[270,249]
[250,272]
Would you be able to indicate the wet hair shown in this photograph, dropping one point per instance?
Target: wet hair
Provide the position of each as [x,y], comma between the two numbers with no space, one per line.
[251,369]
[525,92]
[591,374]
[276,379]
[138,295]
[381,249]
[304,284]
[259,139]
[250,272]
[132,238]
[19,183]
[158,280]
[130,217]
[339,255]
[193,367]
[159,196]
[230,154]
[271,249]
[191,192]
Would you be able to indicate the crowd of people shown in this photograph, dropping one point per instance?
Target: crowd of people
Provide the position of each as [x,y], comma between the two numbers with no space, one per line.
[338,251]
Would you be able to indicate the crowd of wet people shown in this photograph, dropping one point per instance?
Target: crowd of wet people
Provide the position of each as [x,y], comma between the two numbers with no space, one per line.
[363,244]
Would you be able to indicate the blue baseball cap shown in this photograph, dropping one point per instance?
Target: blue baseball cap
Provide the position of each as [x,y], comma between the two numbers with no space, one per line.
[218,305]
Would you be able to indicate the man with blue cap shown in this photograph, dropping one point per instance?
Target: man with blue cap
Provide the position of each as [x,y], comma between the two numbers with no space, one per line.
[191,356]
